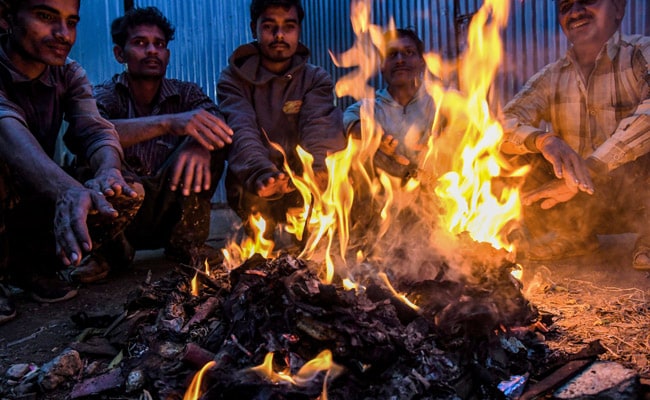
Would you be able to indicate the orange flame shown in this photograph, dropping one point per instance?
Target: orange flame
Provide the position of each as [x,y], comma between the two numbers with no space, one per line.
[195,285]
[235,254]
[467,194]
[307,373]
[461,162]
[400,296]
[194,391]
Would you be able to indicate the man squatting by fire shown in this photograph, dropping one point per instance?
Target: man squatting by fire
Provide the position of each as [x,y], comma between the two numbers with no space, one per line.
[403,110]
[47,216]
[270,94]
[173,138]
[590,167]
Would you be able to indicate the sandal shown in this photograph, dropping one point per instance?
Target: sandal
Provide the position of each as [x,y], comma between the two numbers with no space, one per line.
[641,257]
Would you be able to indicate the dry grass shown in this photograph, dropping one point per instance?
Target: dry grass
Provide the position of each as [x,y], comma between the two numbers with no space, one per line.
[596,307]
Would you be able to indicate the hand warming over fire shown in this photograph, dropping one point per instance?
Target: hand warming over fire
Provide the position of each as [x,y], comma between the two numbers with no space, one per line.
[567,164]
[110,182]
[273,185]
[551,193]
[70,230]
[388,146]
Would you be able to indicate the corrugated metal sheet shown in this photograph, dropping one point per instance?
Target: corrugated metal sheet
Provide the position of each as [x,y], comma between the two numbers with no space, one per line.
[207,31]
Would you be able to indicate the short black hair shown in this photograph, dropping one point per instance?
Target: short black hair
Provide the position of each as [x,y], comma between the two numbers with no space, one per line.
[140,16]
[259,6]
[408,33]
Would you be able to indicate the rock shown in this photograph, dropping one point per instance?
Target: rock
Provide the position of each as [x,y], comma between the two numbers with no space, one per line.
[17,371]
[603,380]
[64,366]
[135,380]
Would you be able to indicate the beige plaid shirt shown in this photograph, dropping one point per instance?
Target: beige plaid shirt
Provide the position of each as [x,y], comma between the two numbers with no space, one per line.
[608,117]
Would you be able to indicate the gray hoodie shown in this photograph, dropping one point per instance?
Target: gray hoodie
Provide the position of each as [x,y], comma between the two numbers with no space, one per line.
[296,108]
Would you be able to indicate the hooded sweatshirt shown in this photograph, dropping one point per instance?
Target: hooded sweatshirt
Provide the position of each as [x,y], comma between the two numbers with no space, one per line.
[295,108]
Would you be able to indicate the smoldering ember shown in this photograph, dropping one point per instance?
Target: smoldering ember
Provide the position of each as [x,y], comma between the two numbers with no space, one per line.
[378,288]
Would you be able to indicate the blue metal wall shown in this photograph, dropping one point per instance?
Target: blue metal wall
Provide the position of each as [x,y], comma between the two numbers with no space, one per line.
[207,31]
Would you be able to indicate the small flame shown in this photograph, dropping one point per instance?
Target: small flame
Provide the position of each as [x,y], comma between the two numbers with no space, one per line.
[400,296]
[349,284]
[194,391]
[235,254]
[207,267]
[195,285]
[265,370]
[518,272]
[307,373]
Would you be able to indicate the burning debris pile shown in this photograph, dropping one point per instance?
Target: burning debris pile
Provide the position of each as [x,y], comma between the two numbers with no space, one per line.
[271,329]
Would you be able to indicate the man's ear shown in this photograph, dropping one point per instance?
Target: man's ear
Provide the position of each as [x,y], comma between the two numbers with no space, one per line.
[254,30]
[118,52]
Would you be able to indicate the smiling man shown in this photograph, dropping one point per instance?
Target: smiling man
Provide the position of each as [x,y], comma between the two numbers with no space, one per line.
[591,162]
[173,137]
[45,213]
[271,95]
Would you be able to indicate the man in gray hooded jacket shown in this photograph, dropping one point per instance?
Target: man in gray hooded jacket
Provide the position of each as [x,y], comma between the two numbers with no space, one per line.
[270,95]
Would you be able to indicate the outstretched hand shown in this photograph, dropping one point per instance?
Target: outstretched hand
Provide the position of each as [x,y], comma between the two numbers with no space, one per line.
[70,229]
[550,194]
[74,204]
[567,164]
[273,185]
[388,146]
[207,129]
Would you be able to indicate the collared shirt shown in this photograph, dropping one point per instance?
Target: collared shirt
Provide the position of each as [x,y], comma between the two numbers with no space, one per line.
[411,125]
[41,104]
[115,102]
[606,117]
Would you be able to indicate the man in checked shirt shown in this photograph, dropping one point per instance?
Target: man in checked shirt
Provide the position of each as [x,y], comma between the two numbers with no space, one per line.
[583,124]
[173,138]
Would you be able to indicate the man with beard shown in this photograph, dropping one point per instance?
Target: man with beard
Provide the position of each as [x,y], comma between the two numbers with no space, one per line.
[591,167]
[173,138]
[274,100]
[49,219]
[403,110]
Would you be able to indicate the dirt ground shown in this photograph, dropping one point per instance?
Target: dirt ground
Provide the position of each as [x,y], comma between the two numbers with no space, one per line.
[595,297]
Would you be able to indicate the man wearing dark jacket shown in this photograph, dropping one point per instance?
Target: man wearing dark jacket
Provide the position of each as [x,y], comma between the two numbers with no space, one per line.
[270,95]
[46,213]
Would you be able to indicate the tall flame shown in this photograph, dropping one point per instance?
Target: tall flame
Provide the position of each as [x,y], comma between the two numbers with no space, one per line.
[467,192]
[194,391]
[461,159]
